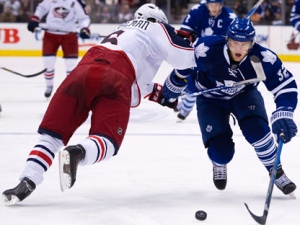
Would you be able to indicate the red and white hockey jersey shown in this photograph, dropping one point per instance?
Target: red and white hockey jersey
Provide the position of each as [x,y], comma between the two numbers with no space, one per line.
[147,45]
[63,15]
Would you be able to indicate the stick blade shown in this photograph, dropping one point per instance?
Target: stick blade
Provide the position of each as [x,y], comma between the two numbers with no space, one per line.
[259,219]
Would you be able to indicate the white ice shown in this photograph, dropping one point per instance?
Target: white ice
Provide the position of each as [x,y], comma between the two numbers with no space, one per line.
[161,176]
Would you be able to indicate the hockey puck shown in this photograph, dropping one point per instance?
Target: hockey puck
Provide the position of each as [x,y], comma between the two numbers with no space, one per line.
[201,215]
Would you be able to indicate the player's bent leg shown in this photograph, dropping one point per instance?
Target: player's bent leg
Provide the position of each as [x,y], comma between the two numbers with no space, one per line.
[261,138]
[19,193]
[38,162]
[91,150]
[283,183]
[187,104]
[220,151]
[69,159]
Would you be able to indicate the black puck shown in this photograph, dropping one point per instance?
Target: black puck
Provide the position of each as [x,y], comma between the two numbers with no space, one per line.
[201,215]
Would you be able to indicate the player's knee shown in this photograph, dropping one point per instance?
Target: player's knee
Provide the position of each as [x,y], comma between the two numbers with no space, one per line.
[254,128]
[221,149]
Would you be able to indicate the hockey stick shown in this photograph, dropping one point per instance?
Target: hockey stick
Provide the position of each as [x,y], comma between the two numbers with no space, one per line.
[66,32]
[260,76]
[294,35]
[250,13]
[23,75]
[262,219]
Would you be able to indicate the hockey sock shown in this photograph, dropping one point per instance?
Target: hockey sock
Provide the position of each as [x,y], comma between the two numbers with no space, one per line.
[97,149]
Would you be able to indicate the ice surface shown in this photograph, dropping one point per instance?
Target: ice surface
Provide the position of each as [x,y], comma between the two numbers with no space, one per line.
[161,175]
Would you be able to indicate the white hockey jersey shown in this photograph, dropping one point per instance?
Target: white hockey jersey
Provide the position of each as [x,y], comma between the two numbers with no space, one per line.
[63,15]
[147,45]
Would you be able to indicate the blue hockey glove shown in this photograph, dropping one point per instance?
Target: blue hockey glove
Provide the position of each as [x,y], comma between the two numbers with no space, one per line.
[173,86]
[282,122]
[85,33]
[157,96]
[33,23]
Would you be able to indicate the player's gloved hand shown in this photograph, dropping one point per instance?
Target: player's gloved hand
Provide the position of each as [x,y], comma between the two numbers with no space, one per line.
[157,96]
[282,122]
[173,86]
[85,33]
[33,23]
[191,36]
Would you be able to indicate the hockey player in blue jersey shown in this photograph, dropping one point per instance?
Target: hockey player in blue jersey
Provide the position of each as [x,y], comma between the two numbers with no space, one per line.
[295,15]
[207,19]
[225,61]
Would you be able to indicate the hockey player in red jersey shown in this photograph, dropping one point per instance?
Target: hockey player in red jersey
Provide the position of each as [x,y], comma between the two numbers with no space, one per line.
[60,31]
[110,78]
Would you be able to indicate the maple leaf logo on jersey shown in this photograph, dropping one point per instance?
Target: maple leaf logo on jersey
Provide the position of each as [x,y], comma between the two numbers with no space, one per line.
[201,50]
[207,32]
[268,56]
[60,12]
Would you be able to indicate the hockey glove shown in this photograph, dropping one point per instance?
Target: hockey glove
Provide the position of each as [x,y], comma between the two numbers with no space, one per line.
[85,33]
[156,96]
[282,122]
[173,86]
[191,36]
[33,23]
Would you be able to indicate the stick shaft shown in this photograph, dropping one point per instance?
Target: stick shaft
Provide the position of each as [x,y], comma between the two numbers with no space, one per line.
[250,13]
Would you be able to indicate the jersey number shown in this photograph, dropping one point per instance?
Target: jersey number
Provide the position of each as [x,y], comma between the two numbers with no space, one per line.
[113,37]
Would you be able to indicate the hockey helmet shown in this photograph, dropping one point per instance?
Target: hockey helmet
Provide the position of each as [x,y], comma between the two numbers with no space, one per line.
[151,12]
[214,1]
[241,30]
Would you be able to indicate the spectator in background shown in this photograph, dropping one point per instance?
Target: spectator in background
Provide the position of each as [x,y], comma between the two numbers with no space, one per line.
[239,8]
[14,5]
[1,5]
[24,11]
[7,16]
[264,14]
[276,10]
[106,15]
[125,14]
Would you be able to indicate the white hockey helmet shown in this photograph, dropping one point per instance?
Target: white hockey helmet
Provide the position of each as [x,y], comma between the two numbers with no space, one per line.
[150,12]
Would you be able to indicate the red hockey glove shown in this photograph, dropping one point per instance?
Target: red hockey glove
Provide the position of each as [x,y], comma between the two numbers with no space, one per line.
[189,35]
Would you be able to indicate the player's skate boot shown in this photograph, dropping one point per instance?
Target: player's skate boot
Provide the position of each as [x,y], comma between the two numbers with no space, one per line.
[220,176]
[48,91]
[69,159]
[182,116]
[283,182]
[19,193]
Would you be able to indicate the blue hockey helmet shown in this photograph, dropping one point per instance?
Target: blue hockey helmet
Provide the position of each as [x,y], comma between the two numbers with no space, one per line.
[214,1]
[241,30]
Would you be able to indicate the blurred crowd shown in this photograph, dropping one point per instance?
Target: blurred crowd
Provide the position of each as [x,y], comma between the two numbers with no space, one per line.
[270,12]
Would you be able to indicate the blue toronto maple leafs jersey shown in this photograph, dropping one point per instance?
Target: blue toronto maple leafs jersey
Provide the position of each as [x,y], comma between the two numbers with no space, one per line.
[200,21]
[213,60]
[295,15]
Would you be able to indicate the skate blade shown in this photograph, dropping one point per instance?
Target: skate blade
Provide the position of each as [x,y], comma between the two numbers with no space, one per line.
[14,199]
[292,195]
[64,178]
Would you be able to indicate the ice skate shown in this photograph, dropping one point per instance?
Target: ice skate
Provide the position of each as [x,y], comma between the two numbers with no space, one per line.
[220,176]
[284,183]
[19,193]
[69,159]
[181,117]
[48,91]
